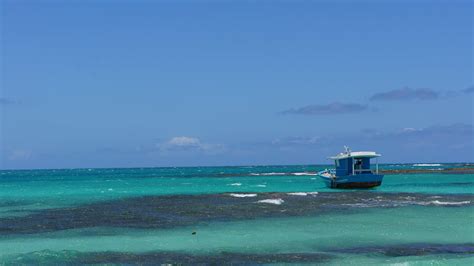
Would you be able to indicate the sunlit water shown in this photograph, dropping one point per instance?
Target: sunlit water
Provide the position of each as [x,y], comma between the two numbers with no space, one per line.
[432,224]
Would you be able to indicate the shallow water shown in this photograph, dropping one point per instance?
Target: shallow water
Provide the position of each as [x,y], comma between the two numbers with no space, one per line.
[238,215]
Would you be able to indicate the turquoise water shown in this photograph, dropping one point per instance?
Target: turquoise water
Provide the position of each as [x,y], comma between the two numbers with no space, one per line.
[238,214]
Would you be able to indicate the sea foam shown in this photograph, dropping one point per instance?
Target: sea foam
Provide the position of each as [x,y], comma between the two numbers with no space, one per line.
[267,174]
[427,164]
[437,202]
[302,193]
[279,174]
[272,201]
[242,195]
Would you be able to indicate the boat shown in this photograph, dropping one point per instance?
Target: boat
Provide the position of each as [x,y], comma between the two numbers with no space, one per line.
[353,170]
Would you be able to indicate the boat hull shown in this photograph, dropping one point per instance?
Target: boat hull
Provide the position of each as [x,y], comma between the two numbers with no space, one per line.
[353,181]
[357,185]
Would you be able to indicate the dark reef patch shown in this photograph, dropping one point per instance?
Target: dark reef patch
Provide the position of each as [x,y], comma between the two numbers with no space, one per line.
[418,249]
[156,258]
[454,170]
[185,210]
[69,257]
[219,259]
[451,184]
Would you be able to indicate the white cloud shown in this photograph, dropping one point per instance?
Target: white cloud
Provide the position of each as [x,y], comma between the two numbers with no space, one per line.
[409,130]
[183,143]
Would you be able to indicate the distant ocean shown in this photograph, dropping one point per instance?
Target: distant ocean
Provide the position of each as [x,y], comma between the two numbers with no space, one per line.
[234,215]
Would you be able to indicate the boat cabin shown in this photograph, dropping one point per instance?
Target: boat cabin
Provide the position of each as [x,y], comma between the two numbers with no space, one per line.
[355,163]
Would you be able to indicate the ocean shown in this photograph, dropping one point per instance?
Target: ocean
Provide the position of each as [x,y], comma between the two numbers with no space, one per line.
[244,215]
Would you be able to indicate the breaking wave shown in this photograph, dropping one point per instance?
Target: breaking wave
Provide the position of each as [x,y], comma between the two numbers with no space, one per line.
[302,193]
[427,164]
[242,195]
[404,202]
[304,173]
[437,202]
[267,174]
[283,174]
[272,201]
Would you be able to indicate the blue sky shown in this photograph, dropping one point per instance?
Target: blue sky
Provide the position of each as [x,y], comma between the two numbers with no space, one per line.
[164,83]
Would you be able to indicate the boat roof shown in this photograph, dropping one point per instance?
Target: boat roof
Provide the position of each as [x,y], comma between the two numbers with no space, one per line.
[355,154]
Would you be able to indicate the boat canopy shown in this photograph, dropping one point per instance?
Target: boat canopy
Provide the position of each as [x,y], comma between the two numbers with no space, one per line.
[355,154]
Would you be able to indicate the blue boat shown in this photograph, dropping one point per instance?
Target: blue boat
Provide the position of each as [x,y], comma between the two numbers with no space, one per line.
[353,170]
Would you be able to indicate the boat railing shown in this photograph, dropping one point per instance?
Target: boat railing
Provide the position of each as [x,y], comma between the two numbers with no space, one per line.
[364,171]
[356,171]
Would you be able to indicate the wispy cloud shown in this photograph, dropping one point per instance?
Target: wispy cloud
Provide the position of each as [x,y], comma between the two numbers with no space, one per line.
[450,142]
[297,141]
[469,90]
[328,109]
[406,94]
[183,143]
[175,145]
[6,101]
[453,130]
[403,94]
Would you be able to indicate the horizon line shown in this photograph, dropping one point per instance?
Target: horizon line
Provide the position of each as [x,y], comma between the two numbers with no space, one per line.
[211,166]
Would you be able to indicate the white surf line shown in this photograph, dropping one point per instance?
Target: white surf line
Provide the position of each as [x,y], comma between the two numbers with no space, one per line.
[427,164]
[302,193]
[271,201]
[437,202]
[242,195]
[267,174]
[303,174]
